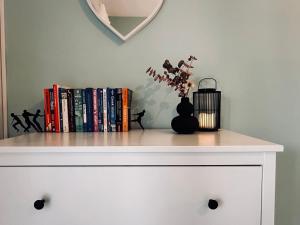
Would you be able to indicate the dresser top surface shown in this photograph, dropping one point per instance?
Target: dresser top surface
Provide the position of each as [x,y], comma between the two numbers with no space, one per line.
[152,140]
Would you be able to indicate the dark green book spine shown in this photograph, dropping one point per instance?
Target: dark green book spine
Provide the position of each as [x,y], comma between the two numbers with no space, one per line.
[71,110]
[78,110]
[89,109]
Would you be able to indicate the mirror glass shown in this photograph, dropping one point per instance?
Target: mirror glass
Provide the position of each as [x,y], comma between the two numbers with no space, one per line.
[125,16]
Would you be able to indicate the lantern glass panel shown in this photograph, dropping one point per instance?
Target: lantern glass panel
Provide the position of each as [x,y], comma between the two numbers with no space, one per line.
[207,107]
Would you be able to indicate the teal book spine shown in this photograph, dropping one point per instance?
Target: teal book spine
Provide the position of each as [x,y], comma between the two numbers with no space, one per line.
[78,110]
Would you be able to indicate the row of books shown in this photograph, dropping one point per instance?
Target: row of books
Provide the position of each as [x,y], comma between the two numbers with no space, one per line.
[87,110]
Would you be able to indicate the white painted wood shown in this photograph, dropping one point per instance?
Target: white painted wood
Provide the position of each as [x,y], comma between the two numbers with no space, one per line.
[131,195]
[3,97]
[74,166]
[137,141]
[128,159]
[136,29]
[268,188]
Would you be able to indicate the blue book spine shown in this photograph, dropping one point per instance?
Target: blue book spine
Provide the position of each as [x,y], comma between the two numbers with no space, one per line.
[84,124]
[100,109]
[105,110]
[60,91]
[89,109]
[108,110]
[119,109]
[113,115]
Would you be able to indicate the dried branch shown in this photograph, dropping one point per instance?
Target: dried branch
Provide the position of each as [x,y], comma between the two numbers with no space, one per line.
[175,77]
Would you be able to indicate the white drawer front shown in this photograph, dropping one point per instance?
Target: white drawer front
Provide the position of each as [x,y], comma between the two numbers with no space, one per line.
[166,195]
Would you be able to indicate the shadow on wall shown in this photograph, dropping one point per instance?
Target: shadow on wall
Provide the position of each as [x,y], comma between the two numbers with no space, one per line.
[225,112]
[98,24]
[146,97]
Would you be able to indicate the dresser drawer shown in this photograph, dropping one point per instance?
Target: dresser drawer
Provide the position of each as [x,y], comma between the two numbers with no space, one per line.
[134,195]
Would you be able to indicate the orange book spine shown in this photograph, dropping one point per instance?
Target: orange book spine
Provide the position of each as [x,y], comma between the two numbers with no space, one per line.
[56,108]
[47,111]
[125,110]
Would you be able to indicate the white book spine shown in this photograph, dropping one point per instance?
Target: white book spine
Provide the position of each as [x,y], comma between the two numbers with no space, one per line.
[104,110]
[84,113]
[64,104]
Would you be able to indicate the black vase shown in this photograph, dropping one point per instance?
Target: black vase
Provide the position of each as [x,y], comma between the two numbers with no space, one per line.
[185,123]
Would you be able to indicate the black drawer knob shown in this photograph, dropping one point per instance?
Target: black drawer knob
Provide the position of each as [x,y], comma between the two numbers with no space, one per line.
[213,204]
[39,204]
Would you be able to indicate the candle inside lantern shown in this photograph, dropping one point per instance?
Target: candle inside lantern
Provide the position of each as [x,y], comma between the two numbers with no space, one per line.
[207,120]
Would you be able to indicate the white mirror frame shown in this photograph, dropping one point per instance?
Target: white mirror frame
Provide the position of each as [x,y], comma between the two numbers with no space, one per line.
[136,29]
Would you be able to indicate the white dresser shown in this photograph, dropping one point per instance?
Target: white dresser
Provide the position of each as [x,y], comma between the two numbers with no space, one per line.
[153,177]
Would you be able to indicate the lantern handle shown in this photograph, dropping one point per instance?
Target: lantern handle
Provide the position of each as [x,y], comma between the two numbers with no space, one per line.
[208,78]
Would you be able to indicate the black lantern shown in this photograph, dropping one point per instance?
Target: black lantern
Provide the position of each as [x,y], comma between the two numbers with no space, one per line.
[207,106]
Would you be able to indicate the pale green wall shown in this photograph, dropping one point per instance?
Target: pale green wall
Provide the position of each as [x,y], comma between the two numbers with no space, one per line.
[250,46]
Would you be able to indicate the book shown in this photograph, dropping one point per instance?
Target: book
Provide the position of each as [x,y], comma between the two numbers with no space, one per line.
[119,109]
[56,107]
[71,110]
[89,109]
[78,110]
[60,90]
[112,110]
[105,110]
[100,109]
[108,99]
[47,111]
[129,101]
[95,110]
[126,111]
[84,111]
[52,109]
[64,110]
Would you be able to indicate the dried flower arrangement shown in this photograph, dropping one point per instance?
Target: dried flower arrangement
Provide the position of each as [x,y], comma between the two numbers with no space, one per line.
[175,77]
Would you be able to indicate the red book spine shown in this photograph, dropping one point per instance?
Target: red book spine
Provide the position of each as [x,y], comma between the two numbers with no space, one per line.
[95,110]
[56,108]
[125,109]
[47,111]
